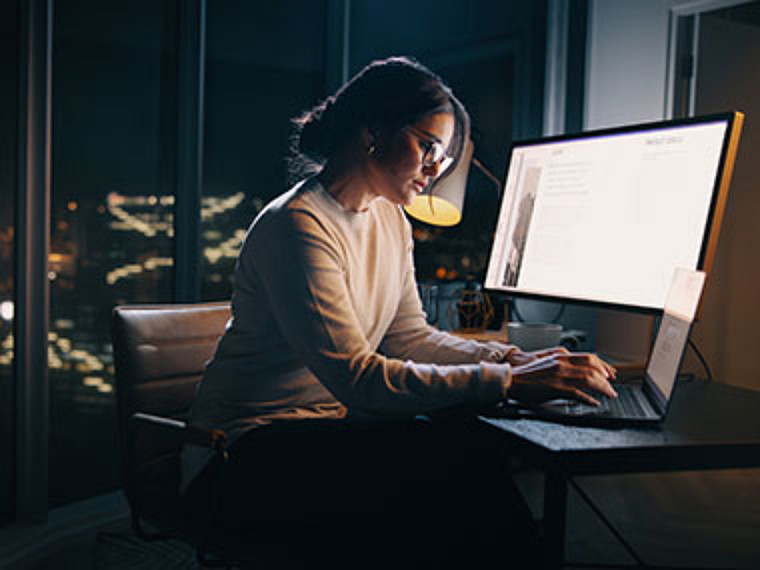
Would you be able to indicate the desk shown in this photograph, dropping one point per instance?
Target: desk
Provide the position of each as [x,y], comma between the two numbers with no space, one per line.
[709,426]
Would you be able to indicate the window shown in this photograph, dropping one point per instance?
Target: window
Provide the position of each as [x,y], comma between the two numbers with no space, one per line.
[114,175]
[265,65]
[114,160]
[111,216]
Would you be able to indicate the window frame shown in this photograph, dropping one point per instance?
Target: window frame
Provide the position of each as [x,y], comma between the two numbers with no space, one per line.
[32,248]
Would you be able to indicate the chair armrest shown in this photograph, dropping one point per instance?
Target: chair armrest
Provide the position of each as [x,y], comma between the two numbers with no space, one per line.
[177,430]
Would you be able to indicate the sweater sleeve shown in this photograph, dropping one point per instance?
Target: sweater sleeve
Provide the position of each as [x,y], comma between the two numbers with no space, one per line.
[410,337]
[301,271]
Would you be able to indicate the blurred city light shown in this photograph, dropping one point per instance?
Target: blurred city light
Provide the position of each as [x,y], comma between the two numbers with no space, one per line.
[6,310]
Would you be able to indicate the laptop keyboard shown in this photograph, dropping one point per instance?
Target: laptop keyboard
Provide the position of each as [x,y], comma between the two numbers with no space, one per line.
[626,404]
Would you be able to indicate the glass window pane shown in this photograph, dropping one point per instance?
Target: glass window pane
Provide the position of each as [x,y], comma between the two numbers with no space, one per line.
[9,53]
[259,74]
[114,93]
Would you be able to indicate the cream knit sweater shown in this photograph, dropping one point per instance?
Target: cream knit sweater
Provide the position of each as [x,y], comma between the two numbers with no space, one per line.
[327,322]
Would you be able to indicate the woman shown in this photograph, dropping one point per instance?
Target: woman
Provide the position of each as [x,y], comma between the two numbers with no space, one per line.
[328,335]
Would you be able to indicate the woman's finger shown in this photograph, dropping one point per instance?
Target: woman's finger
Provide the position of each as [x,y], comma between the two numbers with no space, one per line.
[586,378]
[593,362]
[601,384]
[581,396]
[611,370]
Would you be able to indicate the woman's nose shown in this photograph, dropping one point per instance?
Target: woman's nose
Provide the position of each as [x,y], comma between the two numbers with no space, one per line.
[432,170]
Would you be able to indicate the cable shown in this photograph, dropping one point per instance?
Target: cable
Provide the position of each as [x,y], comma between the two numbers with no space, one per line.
[701,359]
[598,512]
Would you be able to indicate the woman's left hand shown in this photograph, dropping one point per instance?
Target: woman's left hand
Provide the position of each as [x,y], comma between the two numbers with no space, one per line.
[519,358]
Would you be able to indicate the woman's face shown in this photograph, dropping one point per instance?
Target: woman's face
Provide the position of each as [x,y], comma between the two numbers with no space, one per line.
[403,163]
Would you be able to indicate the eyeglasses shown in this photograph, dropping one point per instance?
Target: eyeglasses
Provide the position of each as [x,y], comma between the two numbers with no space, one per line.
[434,152]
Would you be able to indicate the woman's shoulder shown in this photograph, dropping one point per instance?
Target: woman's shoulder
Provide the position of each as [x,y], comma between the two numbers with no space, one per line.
[283,206]
[290,199]
[298,210]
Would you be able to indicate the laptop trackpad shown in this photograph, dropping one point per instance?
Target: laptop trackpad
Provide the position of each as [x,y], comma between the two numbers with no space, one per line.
[573,408]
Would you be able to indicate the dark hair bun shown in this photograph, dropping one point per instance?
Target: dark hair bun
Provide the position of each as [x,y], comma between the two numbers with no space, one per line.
[385,94]
[315,128]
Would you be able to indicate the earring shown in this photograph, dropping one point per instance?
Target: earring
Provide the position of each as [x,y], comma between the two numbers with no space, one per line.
[371,149]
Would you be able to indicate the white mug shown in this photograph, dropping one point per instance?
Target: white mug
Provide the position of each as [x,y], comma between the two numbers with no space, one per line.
[534,336]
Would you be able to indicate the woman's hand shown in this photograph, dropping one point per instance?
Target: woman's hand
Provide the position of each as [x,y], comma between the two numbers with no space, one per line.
[563,375]
[519,358]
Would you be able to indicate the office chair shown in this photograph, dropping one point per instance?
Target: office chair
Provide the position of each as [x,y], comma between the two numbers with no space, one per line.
[160,353]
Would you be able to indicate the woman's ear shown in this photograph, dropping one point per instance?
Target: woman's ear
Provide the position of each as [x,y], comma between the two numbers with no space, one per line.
[369,139]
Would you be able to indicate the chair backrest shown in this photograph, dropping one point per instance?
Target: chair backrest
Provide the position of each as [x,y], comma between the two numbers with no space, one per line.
[160,352]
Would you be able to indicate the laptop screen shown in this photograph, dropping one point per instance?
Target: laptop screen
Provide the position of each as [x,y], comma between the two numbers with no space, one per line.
[669,346]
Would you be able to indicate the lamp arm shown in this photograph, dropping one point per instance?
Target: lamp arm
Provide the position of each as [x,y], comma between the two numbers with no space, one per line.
[488,174]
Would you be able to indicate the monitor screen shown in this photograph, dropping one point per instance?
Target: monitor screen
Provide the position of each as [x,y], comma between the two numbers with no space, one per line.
[606,216]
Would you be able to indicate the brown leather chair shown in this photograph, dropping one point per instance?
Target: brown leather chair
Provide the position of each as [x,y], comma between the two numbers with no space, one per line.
[160,352]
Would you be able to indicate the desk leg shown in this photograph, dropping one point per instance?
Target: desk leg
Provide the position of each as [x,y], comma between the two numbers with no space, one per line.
[555,512]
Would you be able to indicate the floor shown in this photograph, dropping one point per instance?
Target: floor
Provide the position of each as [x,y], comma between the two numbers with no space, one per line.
[116,548]
[694,520]
[685,520]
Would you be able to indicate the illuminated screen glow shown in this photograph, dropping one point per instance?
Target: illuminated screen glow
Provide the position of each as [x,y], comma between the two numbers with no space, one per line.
[606,218]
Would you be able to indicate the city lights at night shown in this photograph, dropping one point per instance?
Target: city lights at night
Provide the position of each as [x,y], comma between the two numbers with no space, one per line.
[130,217]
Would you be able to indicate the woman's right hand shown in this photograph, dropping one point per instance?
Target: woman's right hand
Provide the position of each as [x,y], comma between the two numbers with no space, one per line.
[573,376]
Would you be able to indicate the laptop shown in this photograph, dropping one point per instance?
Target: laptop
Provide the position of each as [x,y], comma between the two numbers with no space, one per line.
[637,403]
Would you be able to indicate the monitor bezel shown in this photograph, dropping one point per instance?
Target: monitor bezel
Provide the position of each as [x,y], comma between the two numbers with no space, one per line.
[734,121]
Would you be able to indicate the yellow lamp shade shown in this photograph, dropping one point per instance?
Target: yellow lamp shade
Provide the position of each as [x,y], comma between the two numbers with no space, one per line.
[434,210]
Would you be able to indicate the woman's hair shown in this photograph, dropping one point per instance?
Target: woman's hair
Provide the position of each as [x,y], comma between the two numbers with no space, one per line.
[389,93]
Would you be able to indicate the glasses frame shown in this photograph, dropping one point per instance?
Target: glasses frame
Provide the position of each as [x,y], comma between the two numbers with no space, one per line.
[429,146]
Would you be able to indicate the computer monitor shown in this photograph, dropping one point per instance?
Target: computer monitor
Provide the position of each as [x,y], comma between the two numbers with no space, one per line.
[605,217]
